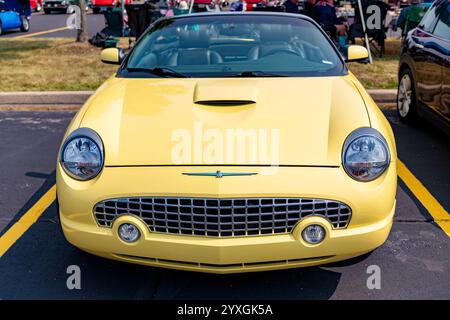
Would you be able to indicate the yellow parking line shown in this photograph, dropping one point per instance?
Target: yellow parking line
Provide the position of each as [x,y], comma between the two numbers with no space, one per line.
[26,221]
[40,33]
[439,214]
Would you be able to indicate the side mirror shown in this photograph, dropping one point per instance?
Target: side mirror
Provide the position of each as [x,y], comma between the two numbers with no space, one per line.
[112,56]
[357,53]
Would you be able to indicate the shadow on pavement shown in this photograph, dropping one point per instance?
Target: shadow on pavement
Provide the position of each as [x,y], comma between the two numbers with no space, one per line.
[50,180]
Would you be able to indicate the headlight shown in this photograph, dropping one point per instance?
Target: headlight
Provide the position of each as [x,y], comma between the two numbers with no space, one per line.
[82,154]
[365,154]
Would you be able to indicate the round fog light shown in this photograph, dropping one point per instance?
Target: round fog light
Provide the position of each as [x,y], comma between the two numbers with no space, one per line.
[313,234]
[129,232]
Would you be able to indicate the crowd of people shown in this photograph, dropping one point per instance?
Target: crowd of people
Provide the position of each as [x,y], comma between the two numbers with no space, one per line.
[342,24]
[342,28]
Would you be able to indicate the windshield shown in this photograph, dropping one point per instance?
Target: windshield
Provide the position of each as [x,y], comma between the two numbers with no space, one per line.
[233,45]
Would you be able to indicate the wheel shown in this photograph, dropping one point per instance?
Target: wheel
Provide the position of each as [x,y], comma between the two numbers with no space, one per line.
[25,27]
[1,31]
[47,11]
[96,10]
[406,98]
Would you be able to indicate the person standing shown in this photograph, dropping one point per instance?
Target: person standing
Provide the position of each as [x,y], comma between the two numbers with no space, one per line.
[309,5]
[291,6]
[238,5]
[324,13]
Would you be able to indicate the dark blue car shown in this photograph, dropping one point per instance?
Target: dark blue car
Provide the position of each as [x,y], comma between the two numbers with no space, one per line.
[14,14]
[424,69]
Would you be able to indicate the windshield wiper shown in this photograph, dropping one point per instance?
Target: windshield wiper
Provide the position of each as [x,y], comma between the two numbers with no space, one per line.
[162,72]
[255,74]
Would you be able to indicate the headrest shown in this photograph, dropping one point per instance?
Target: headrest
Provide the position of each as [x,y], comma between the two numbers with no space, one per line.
[275,33]
[194,39]
[235,30]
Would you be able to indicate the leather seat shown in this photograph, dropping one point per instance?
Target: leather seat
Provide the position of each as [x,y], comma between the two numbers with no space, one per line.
[273,38]
[194,50]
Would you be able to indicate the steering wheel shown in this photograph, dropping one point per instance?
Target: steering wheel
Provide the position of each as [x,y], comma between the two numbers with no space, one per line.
[277,51]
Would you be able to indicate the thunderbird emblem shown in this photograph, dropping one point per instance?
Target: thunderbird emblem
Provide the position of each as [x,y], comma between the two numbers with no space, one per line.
[219,174]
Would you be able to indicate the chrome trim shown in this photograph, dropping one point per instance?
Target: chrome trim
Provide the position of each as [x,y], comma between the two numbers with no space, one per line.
[83,133]
[365,132]
[219,174]
[222,217]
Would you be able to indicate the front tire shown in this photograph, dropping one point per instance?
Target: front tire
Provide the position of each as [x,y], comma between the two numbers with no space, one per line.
[95,10]
[1,30]
[47,11]
[406,97]
[25,27]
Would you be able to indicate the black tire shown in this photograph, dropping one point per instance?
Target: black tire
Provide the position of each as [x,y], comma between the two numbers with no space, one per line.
[47,11]
[1,30]
[25,27]
[96,10]
[406,97]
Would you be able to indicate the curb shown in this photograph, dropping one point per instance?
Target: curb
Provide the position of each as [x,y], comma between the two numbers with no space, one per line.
[383,95]
[44,98]
[63,100]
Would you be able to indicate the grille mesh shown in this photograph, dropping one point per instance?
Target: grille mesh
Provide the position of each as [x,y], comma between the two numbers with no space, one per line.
[222,217]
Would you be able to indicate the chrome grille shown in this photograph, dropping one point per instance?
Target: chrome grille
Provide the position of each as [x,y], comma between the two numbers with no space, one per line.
[222,217]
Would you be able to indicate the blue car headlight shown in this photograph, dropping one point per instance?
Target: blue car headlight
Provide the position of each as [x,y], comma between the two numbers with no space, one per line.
[82,155]
[365,154]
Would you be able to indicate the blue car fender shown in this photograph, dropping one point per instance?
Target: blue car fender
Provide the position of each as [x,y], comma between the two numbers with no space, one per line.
[10,20]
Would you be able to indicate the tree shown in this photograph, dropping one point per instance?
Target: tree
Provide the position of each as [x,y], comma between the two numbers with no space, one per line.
[82,32]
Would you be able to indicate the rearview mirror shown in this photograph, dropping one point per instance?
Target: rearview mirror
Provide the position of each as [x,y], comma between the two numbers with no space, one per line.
[112,56]
[357,53]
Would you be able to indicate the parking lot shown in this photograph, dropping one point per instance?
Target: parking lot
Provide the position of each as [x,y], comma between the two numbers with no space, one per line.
[55,25]
[36,260]
[414,262]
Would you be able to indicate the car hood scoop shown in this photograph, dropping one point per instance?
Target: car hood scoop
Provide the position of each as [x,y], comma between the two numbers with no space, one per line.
[230,121]
[225,93]
[224,103]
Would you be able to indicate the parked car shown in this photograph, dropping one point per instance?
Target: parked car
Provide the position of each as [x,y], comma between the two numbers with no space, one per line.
[60,5]
[102,5]
[424,72]
[36,5]
[219,153]
[55,6]
[13,16]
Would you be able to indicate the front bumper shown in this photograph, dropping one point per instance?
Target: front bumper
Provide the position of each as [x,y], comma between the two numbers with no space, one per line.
[56,7]
[373,206]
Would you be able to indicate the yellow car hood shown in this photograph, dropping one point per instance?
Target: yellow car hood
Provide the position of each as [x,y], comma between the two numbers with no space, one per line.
[285,121]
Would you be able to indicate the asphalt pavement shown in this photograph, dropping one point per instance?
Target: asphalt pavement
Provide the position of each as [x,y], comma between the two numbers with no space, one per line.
[414,262]
[44,25]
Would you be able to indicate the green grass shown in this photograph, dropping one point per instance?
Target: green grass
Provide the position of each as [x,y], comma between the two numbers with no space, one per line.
[50,64]
[382,73]
[61,64]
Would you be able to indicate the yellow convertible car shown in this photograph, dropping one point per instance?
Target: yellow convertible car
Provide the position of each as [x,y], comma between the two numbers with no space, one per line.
[229,142]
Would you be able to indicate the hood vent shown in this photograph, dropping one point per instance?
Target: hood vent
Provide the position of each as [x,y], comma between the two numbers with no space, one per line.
[225,103]
[226,92]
